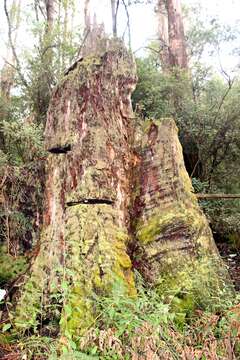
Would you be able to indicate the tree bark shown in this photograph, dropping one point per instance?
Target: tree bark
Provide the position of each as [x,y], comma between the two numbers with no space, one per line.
[177,43]
[41,94]
[163,34]
[11,65]
[175,243]
[50,15]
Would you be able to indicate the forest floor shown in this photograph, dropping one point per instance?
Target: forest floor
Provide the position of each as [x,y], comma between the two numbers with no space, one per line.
[232,259]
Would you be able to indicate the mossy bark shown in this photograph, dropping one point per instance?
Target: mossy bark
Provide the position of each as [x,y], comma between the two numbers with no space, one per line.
[89,135]
[176,251]
[106,198]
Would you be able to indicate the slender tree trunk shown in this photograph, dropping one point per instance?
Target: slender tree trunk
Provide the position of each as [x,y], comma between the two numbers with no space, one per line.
[86,16]
[10,66]
[65,33]
[45,76]
[114,17]
[171,34]
[8,71]
[50,14]
[48,36]
[177,43]
[163,35]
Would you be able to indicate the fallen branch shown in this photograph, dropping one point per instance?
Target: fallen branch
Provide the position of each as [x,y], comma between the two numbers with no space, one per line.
[217,196]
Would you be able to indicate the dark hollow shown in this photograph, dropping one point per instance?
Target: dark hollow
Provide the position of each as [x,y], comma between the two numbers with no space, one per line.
[60,150]
[90,202]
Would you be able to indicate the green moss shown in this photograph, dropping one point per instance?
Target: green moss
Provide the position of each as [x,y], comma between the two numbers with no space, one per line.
[29,308]
[148,231]
[191,284]
[77,315]
[96,258]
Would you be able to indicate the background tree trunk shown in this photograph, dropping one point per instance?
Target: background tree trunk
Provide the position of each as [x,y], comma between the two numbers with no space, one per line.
[114,17]
[163,35]
[9,69]
[87,23]
[171,33]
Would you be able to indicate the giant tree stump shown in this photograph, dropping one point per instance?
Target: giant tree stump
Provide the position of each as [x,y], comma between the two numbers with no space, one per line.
[112,203]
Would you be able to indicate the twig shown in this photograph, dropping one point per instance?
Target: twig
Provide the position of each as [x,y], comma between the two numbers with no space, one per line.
[194,169]
[82,44]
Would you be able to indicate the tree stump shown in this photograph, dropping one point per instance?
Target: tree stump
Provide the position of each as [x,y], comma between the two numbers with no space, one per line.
[116,199]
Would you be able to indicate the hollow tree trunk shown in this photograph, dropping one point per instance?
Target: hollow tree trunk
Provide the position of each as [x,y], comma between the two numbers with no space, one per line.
[103,194]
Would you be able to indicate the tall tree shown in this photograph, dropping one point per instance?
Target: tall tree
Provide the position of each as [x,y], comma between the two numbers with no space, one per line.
[8,71]
[11,64]
[171,34]
[86,16]
[114,7]
[43,73]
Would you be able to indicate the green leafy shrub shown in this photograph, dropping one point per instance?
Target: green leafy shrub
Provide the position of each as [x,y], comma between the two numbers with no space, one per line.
[10,267]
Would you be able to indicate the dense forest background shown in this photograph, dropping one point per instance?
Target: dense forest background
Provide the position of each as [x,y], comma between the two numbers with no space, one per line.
[180,75]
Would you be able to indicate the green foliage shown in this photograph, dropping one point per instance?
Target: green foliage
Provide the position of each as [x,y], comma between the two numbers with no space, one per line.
[154,92]
[145,324]
[23,142]
[127,326]
[126,313]
[10,267]
[22,179]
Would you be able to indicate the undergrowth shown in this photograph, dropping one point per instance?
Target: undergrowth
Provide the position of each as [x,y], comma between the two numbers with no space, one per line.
[142,327]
